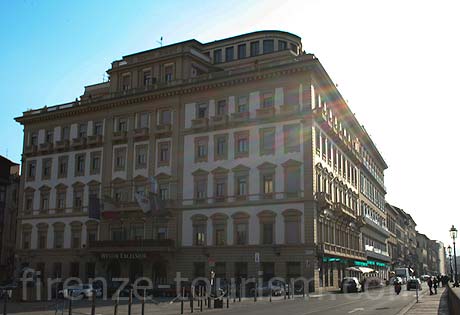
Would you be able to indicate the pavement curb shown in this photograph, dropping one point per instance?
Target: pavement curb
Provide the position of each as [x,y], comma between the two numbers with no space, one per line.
[407,308]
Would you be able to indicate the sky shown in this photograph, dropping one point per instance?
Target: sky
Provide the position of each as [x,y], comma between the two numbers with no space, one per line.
[395,62]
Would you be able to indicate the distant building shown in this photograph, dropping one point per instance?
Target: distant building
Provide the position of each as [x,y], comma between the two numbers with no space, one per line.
[9,188]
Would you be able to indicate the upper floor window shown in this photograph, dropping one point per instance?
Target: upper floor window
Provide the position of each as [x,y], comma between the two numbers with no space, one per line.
[282,45]
[267,232]
[126,82]
[120,158]
[98,128]
[163,153]
[241,51]
[169,72]
[241,144]
[80,164]
[242,104]
[165,117]
[147,77]
[49,136]
[143,120]
[254,48]
[63,162]
[65,133]
[268,99]
[31,169]
[201,149]
[269,46]
[199,234]
[291,138]
[33,138]
[122,124]
[95,162]
[46,171]
[218,56]
[202,110]
[220,147]
[82,130]
[221,107]
[229,55]
[267,141]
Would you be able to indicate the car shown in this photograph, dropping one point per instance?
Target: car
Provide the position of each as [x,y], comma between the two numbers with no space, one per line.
[80,291]
[276,287]
[350,284]
[414,283]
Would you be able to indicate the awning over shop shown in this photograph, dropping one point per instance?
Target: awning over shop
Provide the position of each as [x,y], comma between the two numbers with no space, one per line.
[366,269]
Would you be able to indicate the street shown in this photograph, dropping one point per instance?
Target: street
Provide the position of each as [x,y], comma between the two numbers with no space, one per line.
[382,301]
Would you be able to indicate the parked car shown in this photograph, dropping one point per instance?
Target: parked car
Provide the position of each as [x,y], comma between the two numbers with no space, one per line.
[350,284]
[414,283]
[80,291]
[277,288]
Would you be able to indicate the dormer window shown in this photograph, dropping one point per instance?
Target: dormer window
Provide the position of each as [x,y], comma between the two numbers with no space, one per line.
[269,46]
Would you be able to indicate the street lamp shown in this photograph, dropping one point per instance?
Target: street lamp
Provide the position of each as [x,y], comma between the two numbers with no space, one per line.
[453,235]
[449,251]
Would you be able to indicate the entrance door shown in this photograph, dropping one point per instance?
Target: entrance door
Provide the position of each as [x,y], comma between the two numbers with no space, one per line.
[160,272]
[268,269]
[135,270]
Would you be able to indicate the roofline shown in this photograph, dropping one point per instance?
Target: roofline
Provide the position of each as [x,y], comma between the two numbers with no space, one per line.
[252,33]
[160,48]
[8,160]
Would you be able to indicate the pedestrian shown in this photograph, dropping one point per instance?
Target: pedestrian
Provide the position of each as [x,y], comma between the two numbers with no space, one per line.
[430,285]
[435,285]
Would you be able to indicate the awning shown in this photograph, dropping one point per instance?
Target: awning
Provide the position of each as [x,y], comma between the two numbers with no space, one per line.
[366,269]
[353,269]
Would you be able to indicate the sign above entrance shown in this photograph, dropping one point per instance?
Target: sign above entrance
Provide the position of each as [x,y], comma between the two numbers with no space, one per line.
[127,256]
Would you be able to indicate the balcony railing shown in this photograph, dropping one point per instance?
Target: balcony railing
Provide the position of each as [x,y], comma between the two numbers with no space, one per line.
[79,142]
[289,109]
[200,122]
[141,133]
[62,145]
[266,112]
[333,249]
[220,120]
[95,140]
[133,244]
[240,117]
[120,136]
[343,210]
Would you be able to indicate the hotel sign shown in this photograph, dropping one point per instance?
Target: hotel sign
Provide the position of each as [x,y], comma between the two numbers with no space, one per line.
[123,256]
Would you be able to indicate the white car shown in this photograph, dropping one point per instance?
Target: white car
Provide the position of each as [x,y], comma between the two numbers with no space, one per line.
[82,291]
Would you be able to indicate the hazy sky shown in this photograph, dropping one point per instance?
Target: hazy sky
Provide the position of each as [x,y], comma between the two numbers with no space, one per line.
[396,62]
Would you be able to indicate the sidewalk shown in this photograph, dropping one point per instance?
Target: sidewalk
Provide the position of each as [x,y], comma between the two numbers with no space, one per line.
[431,304]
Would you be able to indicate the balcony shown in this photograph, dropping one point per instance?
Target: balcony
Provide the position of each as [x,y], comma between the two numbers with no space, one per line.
[324,200]
[46,147]
[220,120]
[289,109]
[79,142]
[267,112]
[120,136]
[30,149]
[320,114]
[149,245]
[163,129]
[344,211]
[141,133]
[200,122]
[240,117]
[62,145]
[336,250]
[95,140]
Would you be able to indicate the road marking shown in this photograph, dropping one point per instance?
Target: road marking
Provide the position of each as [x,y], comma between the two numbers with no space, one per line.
[356,310]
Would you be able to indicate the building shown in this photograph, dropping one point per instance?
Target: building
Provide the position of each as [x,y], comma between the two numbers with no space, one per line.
[259,160]
[423,254]
[9,187]
[394,248]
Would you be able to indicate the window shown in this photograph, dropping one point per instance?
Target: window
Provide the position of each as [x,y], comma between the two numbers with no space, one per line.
[42,239]
[201,149]
[220,234]
[221,107]
[241,51]
[78,199]
[57,270]
[169,72]
[200,234]
[267,233]
[122,124]
[291,138]
[218,56]
[254,49]
[117,233]
[165,116]
[267,141]
[163,191]
[74,269]
[202,110]
[199,269]
[137,231]
[58,239]
[143,120]
[82,130]
[220,189]
[242,104]
[291,96]
[75,238]
[26,237]
[44,199]
[126,82]
[46,168]
[65,133]
[241,233]
[292,227]
[292,181]
[95,162]
[141,156]
[220,147]
[229,55]
[29,203]
[242,185]
[98,128]
[62,166]
[162,233]
[80,164]
[241,144]
[282,45]
[33,138]
[61,200]
[163,153]
[269,46]
[147,77]
[201,190]
[268,99]
[120,157]
[267,181]
[31,168]
[49,136]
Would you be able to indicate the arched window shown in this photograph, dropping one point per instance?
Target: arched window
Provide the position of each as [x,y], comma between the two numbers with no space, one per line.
[240,228]
[292,226]
[219,223]
[267,227]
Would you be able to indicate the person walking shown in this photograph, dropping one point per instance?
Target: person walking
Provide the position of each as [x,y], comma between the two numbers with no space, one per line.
[430,285]
[435,285]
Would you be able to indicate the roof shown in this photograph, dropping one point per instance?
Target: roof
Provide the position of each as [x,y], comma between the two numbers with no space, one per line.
[7,161]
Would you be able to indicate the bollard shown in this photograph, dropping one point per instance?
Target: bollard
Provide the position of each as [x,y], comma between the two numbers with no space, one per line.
[201,299]
[289,292]
[239,294]
[5,302]
[70,305]
[228,293]
[115,307]
[130,301]
[181,302]
[143,303]
[255,292]
[192,298]
[271,293]
[285,292]
[234,292]
[93,303]
[303,291]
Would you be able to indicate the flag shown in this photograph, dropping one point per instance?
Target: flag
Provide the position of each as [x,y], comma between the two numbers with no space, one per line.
[143,202]
[94,207]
